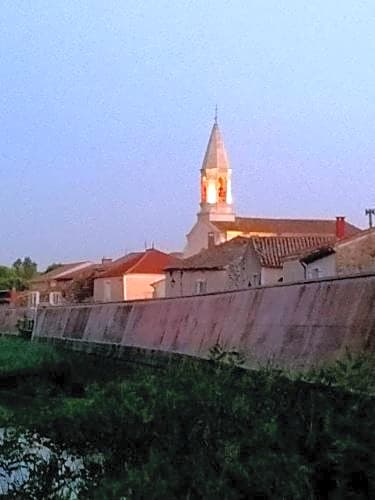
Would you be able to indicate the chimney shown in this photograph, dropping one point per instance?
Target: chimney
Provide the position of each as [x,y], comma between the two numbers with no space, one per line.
[106,260]
[340,227]
[210,240]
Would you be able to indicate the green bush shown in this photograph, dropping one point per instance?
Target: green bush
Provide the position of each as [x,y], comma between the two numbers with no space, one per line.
[211,430]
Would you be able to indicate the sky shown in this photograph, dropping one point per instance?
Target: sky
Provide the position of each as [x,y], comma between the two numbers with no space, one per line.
[106,109]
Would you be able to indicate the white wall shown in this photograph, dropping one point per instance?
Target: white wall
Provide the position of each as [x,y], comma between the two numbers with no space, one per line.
[293,271]
[197,239]
[108,289]
[271,276]
[138,286]
[322,268]
[184,282]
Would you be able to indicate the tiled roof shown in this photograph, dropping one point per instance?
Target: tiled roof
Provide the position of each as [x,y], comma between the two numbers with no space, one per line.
[148,262]
[84,273]
[361,234]
[284,227]
[216,257]
[269,249]
[60,271]
[273,249]
[324,250]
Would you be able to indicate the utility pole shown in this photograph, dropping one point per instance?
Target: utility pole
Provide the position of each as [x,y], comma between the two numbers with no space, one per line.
[370,212]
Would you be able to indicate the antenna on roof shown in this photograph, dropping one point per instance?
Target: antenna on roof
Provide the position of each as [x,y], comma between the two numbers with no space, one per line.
[370,212]
[215,117]
[145,245]
[152,245]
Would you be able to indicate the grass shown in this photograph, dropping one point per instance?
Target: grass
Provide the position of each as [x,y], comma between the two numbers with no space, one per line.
[203,430]
[18,356]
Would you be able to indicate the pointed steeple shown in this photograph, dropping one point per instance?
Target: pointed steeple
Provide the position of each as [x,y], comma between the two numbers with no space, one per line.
[216,155]
[216,175]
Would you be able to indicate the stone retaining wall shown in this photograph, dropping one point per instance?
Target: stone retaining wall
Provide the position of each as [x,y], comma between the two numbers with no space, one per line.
[9,317]
[295,325]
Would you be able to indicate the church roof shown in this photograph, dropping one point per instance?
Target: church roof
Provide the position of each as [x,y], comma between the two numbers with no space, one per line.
[284,227]
[216,155]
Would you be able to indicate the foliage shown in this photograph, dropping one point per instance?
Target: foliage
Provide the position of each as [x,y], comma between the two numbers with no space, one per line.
[82,289]
[354,372]
[25,268]
[18,275]
[207,430]
[18,356]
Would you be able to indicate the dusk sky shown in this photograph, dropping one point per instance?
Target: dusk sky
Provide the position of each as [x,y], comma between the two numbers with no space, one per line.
[106,109]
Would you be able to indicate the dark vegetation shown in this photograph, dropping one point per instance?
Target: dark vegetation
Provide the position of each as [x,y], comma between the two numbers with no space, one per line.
[195,429]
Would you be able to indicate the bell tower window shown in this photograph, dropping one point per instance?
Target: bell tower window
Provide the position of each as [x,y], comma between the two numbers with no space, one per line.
[221,190]
[203,190]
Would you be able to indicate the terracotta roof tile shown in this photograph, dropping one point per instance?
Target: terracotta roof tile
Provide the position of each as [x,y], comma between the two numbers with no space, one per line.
[149,262]
[284,227]
[60,271]
[272,250]
[216,257]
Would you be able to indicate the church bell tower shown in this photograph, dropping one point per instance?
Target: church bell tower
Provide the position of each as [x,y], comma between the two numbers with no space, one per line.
[216,180]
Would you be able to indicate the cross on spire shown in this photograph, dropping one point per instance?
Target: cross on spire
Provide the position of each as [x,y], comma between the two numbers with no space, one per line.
[215,118]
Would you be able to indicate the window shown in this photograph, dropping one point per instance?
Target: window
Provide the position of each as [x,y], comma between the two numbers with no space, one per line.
[55,298]
[33,299]
[200,287]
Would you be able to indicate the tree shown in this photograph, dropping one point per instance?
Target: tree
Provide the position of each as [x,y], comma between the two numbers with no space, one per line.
[8,278]
[25,269]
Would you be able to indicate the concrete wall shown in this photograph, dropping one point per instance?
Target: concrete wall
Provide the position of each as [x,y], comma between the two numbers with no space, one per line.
[296,325]
[9,317]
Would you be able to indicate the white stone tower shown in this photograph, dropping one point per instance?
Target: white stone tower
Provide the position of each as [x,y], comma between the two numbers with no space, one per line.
[216,180]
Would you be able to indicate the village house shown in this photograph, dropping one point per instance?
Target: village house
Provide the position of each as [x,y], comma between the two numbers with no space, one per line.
[131,277]
[236,264]
[217,221]
[352,255]
[49,288]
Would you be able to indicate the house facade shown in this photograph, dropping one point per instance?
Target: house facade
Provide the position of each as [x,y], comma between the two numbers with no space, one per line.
[50,288]
[236,264]
[352,255]
[216,220]
[131,277]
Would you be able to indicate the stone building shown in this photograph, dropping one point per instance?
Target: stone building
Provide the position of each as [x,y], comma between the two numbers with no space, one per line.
[217,221]
[236,264]
[352,255]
